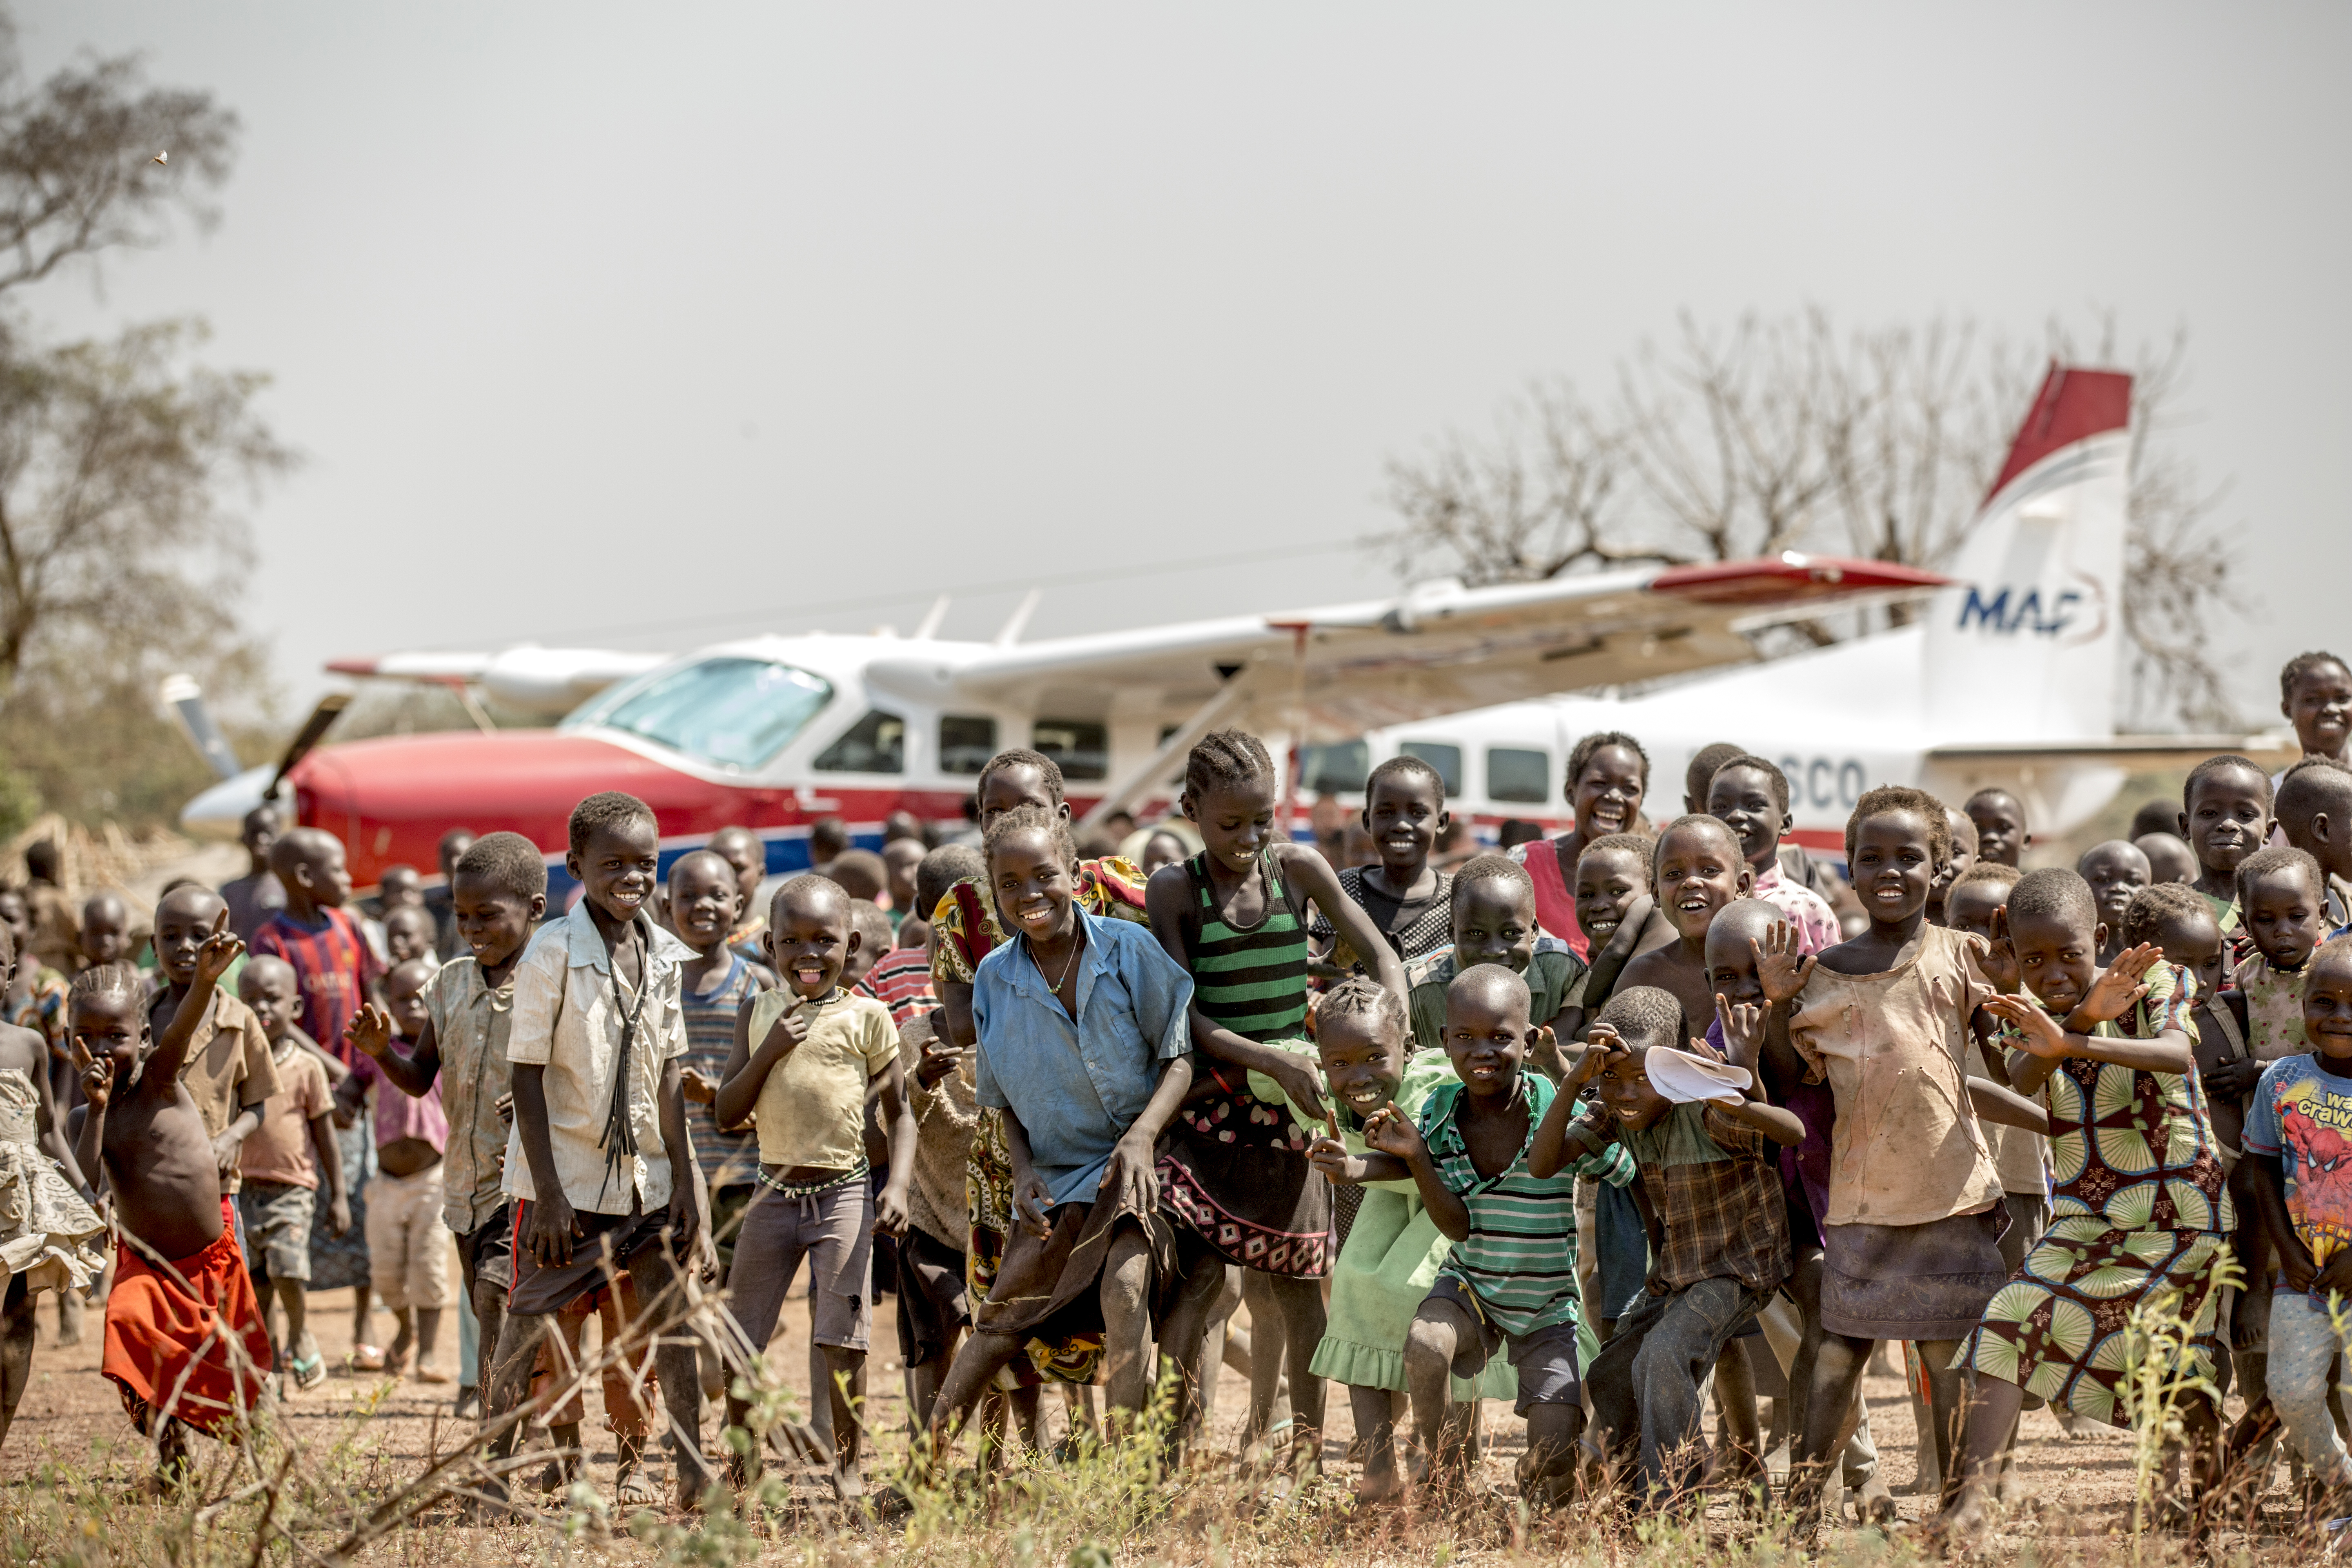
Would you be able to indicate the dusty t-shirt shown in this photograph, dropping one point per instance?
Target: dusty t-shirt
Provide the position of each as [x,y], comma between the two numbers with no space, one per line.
[812,1109]
[279,1148]
[228,1068]
[1906,1148]
[2274,1008]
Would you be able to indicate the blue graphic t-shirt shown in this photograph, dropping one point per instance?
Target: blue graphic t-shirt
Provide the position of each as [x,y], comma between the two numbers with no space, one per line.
[2302,1115]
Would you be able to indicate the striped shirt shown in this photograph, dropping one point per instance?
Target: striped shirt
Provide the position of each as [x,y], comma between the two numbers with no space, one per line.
[1252,981]
[901,981]
[725,1158]
[333,967]
[1519,1258]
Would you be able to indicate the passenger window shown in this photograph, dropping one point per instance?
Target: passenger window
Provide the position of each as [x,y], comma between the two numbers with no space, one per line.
[1517,773]
[1340,767]
[966,744]
[874,744]
[1079,747]
[1445,758]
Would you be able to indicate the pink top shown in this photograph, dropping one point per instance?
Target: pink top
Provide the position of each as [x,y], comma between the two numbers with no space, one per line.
[398,1114]
[1816,922]
[1555,900]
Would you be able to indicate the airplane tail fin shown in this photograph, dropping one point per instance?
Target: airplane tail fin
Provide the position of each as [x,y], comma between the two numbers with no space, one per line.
[2026,646]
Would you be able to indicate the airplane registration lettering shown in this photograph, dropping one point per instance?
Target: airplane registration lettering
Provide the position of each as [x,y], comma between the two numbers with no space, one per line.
[1823,782]
[1995,614]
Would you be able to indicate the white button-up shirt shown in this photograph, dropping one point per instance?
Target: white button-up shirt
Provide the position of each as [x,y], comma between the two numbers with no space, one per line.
[569,1009]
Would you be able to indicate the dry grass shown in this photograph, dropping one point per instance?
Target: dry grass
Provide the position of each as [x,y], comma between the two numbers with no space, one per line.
[332,1477]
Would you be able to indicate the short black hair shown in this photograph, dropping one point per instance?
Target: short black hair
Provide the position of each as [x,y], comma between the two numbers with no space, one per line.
[828,837]
[1480,975]
[2334,948]
[1029,820]
[1361,996]
[2313,785]
[858,869]
[2211,765]
[2053,890]
[2155,817]
[1640,846]
[609,808]
[1404,765]
[1048,769]
[1765,766]
[1225,757]
[1705,764]
[1887,799]
[1988,871]
[942,868]
[810,883]
[1600,740]
[2272,857]
[690,856]
[1699,819]
[875,932]
[2303,664]
[1643,1016]
[2158,905]
[1515,831]
[508,862]
[1489,868]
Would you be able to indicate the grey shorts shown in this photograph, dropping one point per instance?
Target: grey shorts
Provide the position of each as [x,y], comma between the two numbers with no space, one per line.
[833,1229]
[1545,1360]
[277,1230]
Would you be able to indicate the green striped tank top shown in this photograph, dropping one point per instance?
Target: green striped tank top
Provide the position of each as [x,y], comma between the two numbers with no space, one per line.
[1253,982]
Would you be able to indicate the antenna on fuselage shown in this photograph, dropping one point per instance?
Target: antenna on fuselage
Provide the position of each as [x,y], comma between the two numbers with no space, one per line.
[1009,632]
[933,619]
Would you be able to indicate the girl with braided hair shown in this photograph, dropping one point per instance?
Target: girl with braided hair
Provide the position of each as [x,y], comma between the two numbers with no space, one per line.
[1235,916]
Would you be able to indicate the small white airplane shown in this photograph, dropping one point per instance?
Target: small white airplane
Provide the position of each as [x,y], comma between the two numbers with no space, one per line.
[2007,678]
[773,733]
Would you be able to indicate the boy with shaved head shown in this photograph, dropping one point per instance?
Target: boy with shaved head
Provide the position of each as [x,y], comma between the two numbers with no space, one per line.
[2315,814]
[228,1068]
[333,963]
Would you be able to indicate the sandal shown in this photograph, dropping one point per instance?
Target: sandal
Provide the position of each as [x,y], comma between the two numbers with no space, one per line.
[367,1358]
[309,1371]
[637,1490]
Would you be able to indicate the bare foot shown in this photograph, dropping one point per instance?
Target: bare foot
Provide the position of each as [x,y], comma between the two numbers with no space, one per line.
[1876,1505]
[1961,1529]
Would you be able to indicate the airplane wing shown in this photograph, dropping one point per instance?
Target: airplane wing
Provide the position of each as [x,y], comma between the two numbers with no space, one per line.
[546,681]
[1438,647]
[2139,752]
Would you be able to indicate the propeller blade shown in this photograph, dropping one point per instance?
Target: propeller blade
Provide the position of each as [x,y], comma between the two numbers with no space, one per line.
[314,728]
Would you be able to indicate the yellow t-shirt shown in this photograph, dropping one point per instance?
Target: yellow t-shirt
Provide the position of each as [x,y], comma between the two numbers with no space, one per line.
[812,1109]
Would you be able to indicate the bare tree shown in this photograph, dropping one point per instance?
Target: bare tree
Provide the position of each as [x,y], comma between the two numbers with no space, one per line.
[1783,433]
[122,554]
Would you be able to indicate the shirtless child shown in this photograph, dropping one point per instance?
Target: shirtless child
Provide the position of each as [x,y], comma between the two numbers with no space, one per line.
[177,1269]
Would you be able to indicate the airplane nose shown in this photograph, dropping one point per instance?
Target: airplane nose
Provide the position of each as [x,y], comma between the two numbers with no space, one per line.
[228,803]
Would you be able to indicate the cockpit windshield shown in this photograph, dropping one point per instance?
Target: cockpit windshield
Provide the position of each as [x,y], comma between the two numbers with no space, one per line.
[732,711]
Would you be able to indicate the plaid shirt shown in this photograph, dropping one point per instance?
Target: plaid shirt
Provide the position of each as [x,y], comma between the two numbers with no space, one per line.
[1715,1183]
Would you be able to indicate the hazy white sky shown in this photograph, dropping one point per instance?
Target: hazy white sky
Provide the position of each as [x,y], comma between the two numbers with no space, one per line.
[592,318]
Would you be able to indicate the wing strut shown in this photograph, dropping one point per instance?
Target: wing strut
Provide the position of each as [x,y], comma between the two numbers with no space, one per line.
[1229,699]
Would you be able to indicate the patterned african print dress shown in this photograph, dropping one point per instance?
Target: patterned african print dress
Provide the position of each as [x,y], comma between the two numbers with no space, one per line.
[2140,1209]
[966,930]
[1237,1174]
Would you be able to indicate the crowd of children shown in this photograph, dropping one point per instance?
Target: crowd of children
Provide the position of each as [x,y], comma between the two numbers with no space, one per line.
[1609,1125]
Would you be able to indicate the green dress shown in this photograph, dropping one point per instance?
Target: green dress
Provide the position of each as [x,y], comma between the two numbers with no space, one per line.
[1390,1259]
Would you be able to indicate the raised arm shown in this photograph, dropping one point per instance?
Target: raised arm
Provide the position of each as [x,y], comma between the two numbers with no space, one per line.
[1388,1132]
[748,1066]
[220,950]
[1549,1152]
[412,1073]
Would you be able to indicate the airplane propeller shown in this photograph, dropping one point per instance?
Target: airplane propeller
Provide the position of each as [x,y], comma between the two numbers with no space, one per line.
[314,730]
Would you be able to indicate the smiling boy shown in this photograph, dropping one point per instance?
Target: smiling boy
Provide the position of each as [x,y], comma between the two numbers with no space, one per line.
[2225,815]
[228,1068]
[1699,869]
[1720,1243]
[1405,811]
[1510,1284]
[184,1340]
[803,1057]
[2296,1141]
[1751,797]
[598,1162]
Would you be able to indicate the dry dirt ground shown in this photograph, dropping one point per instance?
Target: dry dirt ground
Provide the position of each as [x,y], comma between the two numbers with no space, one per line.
[2077,1487]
